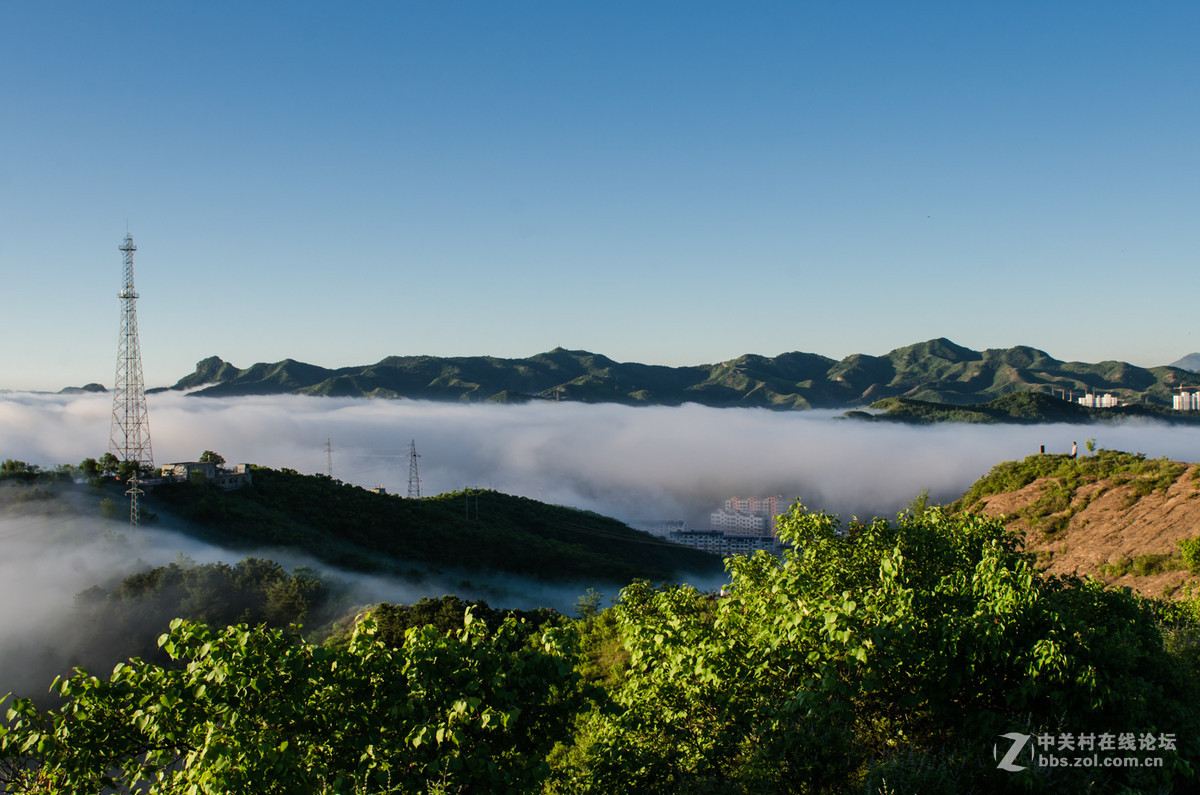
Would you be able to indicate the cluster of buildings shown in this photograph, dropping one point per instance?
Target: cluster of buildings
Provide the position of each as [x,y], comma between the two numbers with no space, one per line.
[1186,401]
[743,526]
[203,471]
[1105,401]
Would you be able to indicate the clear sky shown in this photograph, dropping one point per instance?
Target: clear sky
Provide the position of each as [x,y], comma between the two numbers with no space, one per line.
[664,182]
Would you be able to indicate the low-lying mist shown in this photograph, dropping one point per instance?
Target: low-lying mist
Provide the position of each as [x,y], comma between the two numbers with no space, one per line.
[628,462]
[51,555]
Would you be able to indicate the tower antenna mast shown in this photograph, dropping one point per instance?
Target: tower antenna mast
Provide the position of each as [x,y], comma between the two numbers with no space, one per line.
[129,438]
[129,434]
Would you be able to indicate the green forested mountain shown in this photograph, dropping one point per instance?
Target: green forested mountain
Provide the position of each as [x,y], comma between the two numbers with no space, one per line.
[473,530]
[1015,407]
[464,532]
[936,371]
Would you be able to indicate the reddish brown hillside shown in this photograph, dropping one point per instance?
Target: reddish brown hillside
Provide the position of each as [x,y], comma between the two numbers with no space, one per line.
[1122,528]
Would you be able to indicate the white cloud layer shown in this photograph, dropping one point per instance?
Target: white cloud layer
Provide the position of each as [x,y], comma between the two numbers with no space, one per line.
[627,462]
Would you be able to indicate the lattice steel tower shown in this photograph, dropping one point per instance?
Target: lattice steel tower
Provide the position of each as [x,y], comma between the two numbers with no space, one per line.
[414,482]
[130,433]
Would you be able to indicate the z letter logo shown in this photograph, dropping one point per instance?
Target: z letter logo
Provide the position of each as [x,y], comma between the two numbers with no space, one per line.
[1018,742]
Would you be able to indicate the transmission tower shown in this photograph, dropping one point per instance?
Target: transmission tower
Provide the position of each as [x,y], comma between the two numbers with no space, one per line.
[134,492]
[129,438]
[414,482]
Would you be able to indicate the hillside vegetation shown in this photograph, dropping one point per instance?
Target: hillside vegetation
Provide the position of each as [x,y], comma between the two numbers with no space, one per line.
[935,371]
[471,530]
[1119,517]
[887,657]
[1017,408]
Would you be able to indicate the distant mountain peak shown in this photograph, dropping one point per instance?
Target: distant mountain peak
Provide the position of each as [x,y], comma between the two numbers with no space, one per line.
[1190,362]
[75,390]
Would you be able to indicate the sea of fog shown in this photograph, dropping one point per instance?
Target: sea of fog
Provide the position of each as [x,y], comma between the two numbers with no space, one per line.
[631,463]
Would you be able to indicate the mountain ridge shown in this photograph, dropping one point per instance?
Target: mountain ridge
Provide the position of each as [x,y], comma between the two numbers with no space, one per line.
[936,370]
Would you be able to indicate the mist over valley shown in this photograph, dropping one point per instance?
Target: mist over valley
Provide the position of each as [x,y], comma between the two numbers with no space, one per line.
[630,463]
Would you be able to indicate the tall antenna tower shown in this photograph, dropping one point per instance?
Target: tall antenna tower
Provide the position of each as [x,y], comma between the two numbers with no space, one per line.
[129,438]
[414,482]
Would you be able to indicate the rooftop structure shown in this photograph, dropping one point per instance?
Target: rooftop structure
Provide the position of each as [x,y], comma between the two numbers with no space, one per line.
[208,472]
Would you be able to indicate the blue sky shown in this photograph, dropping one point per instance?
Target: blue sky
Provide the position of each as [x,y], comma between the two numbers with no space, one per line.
[665,182]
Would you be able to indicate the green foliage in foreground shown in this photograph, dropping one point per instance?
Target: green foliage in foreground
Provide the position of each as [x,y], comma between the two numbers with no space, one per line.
[895,653]
[885,657]
[254,710]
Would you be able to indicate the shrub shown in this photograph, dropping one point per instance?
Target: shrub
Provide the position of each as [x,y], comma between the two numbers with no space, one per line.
[1190,550]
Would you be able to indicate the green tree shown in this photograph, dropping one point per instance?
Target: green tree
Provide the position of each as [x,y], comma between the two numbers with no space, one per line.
[89,468]
[893,651]
[209,457]
[257,710]
[11,468]
[109,465]
[587,606]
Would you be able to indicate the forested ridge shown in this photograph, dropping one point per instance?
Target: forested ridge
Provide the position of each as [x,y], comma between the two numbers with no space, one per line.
[480,530]
[1020,408]
[937,371]
[472,529]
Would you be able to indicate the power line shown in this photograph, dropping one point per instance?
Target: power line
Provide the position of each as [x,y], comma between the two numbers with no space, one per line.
[414,481]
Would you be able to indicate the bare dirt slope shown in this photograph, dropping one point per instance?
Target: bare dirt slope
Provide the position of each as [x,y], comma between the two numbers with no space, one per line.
[1110,528]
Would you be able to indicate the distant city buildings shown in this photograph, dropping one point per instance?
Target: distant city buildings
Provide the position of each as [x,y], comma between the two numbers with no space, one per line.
[724,544]
[1186,400]
[1105,401]
[753,516]
[742,527]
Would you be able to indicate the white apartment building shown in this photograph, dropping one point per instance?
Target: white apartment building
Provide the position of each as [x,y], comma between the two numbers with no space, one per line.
[747,516]
[759,506]
[725,544]
[1105,401]
[740,523]
[1186,401]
